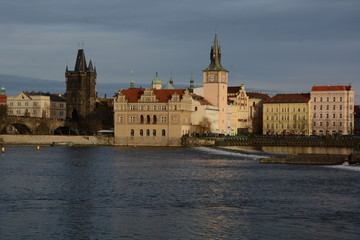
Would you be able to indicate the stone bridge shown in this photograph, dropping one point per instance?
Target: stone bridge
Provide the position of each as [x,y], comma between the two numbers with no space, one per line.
[30,125]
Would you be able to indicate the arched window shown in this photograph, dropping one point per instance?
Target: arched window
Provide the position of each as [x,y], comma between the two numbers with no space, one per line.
[141,132]
[148,119]
[154,132]
[141,119]
[132,132]
[147,132]
[163,133]
[154,119]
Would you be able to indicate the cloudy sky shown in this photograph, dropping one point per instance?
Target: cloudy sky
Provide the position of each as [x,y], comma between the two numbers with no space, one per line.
[274,45]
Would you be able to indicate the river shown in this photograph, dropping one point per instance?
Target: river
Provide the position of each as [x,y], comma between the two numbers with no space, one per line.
[172,193]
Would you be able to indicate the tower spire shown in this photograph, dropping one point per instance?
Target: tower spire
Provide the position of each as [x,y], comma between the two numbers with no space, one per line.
[215,56]
[132,83]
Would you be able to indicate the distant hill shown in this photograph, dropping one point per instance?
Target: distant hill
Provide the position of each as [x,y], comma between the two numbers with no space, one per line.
[15,84]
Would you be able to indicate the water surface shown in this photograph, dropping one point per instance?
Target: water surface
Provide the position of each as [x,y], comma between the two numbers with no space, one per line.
[171,193]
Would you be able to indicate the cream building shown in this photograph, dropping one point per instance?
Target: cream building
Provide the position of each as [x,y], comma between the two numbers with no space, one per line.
[287,114]
[246,110]
[332,110]
[37,105]
[158,117]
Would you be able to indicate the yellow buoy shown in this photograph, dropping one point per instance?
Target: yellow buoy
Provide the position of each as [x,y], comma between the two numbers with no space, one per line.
[38,147]
[2,149]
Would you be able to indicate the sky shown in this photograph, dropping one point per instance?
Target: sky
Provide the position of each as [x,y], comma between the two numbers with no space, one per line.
[284,46]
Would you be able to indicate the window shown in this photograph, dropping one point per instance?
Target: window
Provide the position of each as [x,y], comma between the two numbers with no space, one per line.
[163,119]
[320,115]
[132,107]
[327,99]
[141,119]
[327,124]
[334,115]
[340,99]
[27,104]
[321,99]
[340,115]
[340,107]
[132,119]
[320,124]
[334,107]
[132,132]
[334,124]
[154,132]
[340,124]
[163,107]
[141,132]
[19,103]
[314,115]
[61,113]
[35,104]
[327,115]
[148,119]
[163,133]
[147,132]
[327,107]
[314,99]
[320,107]
[334,99]
[154,119]
[121,119]
[314,124]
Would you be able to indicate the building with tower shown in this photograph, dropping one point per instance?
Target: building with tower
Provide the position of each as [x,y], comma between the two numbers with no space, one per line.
[215,85]
[80,89]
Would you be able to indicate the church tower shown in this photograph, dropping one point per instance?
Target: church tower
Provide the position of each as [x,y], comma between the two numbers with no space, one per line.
[80,89]
[215,79]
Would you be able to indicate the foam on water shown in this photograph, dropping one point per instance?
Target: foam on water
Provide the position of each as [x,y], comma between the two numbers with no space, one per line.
[346,166]
[217,151]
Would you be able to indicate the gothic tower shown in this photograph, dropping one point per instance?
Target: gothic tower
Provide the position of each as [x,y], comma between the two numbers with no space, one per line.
[80,89]
[215,79]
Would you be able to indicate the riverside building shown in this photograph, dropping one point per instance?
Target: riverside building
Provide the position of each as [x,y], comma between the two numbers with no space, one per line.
[332,110]
[287,114]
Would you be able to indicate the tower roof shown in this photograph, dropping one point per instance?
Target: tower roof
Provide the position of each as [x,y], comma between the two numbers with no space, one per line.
[80,65]
[215,57]
[156,80]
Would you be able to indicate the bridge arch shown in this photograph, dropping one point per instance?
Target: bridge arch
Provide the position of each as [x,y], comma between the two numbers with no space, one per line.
[16,128]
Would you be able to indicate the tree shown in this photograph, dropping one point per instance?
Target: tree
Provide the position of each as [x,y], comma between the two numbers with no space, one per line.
[204,126]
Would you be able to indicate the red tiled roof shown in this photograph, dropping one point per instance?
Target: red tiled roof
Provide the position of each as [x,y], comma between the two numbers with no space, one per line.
[3,98]
[289,98]
[263,96]
[163,95]
[331,88]
[133,94]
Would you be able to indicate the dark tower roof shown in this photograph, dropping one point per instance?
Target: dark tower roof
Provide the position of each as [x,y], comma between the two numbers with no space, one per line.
[80,65]
[215,57]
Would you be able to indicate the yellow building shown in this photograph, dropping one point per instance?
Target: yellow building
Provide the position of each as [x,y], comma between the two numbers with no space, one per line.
[287,114]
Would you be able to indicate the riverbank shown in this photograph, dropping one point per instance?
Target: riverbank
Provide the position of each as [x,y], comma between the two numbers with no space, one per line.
[55,140]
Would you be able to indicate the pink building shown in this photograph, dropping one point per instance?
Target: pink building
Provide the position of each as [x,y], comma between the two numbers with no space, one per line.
[332,110]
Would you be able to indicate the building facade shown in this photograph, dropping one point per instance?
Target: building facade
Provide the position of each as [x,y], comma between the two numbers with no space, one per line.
[332,110]
[152,116]
[246,110]
[286,114]
[80,89]
[37,104]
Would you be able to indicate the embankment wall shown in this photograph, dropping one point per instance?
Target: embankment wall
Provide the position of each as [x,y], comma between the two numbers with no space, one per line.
[50,139]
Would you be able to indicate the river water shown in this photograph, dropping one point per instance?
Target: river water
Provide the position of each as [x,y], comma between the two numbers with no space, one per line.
[172,193]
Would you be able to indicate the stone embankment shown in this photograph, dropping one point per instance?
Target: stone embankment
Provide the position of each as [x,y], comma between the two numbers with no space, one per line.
[301,141]
[314,159]
[55,140]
